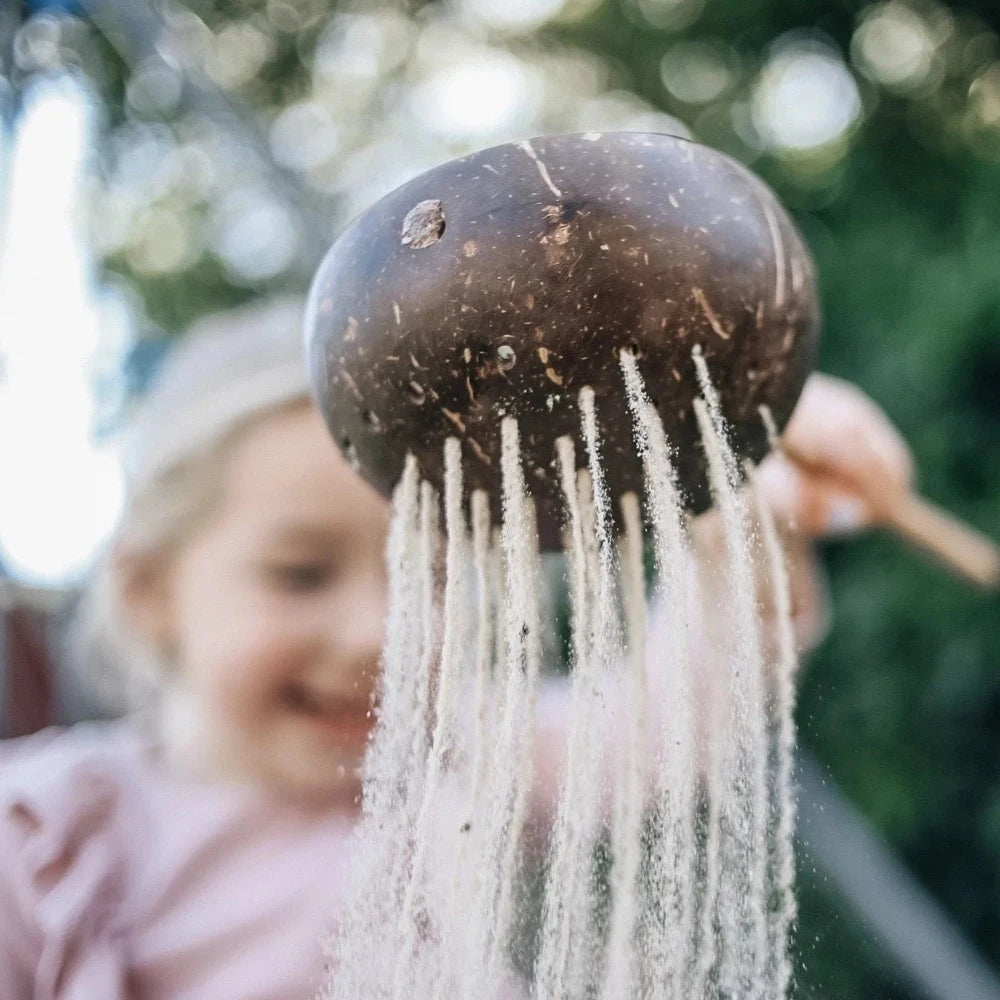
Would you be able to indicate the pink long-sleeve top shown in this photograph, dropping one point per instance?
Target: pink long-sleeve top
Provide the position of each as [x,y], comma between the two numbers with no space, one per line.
[120,879]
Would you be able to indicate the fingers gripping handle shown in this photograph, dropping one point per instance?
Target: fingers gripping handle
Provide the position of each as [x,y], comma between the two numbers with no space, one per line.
[959,546]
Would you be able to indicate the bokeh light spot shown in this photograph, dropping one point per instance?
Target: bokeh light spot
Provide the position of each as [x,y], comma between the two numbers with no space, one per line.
[488,93]
[894,45]
[697,72]
[665,15]
[254,236]
[804,98]
[512,15]
[304,135]
[984,96]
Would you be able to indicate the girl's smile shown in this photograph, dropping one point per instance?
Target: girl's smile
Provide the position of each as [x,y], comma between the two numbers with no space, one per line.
[273,610]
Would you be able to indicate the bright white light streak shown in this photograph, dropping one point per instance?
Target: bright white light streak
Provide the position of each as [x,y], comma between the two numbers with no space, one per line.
[59,493]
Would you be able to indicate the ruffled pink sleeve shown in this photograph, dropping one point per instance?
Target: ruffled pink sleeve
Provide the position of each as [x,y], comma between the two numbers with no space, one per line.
[62,870]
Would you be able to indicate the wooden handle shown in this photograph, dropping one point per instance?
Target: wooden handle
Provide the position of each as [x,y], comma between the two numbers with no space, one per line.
[943,535]
[956,544]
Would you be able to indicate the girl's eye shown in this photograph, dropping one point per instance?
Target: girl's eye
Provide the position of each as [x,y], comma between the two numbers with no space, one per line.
[300,576]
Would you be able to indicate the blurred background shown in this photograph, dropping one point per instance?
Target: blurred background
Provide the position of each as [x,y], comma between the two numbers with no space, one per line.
[159,160]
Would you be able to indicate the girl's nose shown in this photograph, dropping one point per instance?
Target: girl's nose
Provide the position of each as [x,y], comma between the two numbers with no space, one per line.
[357,629]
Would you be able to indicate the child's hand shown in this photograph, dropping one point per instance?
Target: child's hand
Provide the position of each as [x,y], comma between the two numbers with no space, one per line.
[847,462]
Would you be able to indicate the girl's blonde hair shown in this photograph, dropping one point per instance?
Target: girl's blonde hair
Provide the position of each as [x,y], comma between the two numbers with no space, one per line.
[229,370]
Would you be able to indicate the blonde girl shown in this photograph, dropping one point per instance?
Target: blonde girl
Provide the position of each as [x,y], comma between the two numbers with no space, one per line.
[198,847]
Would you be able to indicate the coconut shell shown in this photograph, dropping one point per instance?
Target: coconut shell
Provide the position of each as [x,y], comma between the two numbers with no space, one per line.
[503,282]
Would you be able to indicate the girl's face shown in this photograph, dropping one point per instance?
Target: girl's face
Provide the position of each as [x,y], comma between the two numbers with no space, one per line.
[274,609]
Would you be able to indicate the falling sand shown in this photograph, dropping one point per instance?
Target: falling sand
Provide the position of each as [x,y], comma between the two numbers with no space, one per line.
[624,832]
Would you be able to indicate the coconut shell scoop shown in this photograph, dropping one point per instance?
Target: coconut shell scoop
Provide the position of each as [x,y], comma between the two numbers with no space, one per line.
[503,282]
